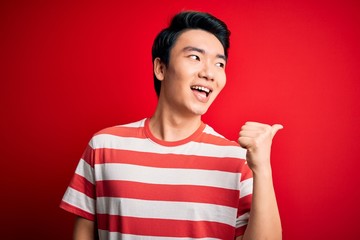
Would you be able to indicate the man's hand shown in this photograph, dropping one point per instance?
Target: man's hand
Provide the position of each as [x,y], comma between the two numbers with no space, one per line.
[257,139]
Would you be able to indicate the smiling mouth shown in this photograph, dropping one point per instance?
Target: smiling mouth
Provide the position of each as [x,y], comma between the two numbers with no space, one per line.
[201,89]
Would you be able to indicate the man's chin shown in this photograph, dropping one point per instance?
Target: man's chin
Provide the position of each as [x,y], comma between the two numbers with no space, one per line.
[200,111]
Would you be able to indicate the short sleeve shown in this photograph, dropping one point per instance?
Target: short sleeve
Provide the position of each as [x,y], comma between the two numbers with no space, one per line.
[79,197]
[245,199]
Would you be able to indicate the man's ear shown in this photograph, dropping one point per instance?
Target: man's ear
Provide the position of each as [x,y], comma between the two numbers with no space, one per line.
[159,69]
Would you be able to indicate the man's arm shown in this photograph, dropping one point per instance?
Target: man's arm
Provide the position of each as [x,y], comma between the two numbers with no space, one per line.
[264,221]
[84,229]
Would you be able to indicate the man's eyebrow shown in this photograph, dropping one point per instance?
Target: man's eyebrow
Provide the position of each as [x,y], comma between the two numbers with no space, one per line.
[202,51]
[190,49]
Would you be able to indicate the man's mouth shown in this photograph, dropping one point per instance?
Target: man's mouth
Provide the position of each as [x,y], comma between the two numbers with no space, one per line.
[202,89]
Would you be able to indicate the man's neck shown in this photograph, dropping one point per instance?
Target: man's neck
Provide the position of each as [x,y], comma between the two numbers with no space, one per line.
[169,127]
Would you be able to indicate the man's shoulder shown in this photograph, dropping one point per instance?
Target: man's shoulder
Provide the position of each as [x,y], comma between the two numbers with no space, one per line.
[122,128]
[221,146]
[215,137]
[109,136]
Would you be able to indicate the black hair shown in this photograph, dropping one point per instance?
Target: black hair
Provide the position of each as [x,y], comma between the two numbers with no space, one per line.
[182,21]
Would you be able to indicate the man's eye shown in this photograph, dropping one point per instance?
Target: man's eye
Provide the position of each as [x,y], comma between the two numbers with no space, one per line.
[222,65]
[194,57]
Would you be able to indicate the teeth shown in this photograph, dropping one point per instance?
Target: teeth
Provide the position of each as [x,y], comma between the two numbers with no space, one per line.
[204,89]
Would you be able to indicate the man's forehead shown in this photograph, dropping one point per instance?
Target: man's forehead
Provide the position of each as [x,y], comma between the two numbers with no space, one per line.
[202,51]
[193,39]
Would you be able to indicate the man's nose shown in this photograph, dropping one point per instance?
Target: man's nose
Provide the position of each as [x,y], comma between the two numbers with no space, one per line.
[207,71]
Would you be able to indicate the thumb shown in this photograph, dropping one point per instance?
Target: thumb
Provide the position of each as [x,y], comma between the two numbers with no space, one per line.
[275,129]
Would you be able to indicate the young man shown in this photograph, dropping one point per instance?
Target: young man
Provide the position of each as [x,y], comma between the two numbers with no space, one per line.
[172,176]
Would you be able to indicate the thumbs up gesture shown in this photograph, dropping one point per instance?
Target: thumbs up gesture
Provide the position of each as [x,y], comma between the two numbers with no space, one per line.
[257,139]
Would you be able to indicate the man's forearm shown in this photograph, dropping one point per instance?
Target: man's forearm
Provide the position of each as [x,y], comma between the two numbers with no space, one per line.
[264,221]
[84,229]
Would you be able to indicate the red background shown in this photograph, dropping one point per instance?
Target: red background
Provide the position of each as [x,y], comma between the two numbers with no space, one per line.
[70,69]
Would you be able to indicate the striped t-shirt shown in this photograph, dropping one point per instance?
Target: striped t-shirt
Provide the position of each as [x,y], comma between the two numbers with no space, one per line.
[138,187]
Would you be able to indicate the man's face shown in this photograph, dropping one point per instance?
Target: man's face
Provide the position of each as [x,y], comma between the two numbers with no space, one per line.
[195,74]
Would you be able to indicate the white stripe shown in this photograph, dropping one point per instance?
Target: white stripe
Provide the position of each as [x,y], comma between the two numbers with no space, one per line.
[85,170]
[170,176]
[167,210]
[246,187]
[145,145]
[115,236]
[242,220]
[79,200]
[137,124]
[210,130]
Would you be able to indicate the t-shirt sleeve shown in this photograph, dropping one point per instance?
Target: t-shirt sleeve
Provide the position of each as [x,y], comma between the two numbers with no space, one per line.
[246,189]
[79,197]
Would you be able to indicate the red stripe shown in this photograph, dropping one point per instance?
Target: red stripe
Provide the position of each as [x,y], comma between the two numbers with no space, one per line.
[164,227]
[246,172]
[123,131]
[81,184]
[76,211]
[181,193]
[240,231]
[233,165]
[245,205]
[88,156]
[216,140]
